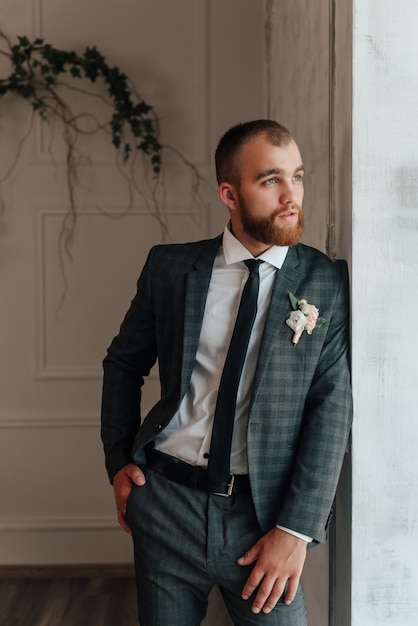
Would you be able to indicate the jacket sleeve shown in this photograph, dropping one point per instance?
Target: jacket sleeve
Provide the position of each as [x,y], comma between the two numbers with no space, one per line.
[325,428]
[130,357]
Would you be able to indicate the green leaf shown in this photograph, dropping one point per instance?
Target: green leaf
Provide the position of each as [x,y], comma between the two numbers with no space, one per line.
[75,72]
[294,301]
[24,41]
[320,322]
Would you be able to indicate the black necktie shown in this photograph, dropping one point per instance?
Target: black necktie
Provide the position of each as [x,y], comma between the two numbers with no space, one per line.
[223,424]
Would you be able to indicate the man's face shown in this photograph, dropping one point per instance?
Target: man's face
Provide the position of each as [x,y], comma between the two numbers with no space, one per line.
[268,208]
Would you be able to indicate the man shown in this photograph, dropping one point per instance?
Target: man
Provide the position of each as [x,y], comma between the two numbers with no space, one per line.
[290,419]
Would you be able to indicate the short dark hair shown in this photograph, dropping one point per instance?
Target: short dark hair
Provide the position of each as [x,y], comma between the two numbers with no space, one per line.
[231,142]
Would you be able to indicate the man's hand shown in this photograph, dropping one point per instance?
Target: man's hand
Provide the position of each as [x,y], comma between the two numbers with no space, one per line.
[279,558]
[123,482]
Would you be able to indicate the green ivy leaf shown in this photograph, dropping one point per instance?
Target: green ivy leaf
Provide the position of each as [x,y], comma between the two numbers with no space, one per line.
[75,72]
[24,41]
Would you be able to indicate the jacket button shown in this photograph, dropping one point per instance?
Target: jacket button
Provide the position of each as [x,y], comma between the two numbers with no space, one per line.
[158,427]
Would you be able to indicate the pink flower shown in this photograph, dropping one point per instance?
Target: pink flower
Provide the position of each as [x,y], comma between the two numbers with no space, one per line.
[312,318]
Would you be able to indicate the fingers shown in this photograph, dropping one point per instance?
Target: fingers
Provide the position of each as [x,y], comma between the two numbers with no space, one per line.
[253,580]
[250,556]
[123,481]
[124,524]
[268,595]
[279,558]
[291,590]
[270,589]
[135,474]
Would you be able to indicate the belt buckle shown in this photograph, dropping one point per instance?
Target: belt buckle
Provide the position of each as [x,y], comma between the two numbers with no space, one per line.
[230,486]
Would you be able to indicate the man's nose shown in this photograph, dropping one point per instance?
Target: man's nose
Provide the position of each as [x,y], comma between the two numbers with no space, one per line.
[287,193]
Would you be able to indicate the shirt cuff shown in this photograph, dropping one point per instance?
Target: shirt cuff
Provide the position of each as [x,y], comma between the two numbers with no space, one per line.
[296,534]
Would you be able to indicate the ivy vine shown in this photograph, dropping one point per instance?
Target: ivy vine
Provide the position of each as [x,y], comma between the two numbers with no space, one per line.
[36,68]
[38,73]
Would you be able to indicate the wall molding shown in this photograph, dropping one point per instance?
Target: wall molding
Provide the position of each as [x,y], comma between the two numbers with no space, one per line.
[121,570]
[44,371]
[55,523]
[49,420]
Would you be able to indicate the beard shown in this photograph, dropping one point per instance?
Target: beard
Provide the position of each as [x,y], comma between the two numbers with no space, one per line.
[267,230]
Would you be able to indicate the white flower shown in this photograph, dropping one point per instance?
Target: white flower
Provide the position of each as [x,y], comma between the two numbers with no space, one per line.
[297,321]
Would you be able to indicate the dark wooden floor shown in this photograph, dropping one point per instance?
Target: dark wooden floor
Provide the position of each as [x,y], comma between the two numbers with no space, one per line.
[67,600]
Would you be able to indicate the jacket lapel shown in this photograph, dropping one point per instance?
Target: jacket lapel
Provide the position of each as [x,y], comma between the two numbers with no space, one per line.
[197,285]
[287,279]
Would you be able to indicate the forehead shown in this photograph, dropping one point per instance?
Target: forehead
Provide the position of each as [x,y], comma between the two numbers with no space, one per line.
[258,155]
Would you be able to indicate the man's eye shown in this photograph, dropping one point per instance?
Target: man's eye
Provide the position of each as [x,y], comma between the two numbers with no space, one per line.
[270,181]
[298,178]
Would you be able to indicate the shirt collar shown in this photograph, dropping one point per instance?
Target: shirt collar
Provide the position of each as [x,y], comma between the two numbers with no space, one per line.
[234,251]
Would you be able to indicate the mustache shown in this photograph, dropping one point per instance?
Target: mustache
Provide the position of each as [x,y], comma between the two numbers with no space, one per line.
[289,208]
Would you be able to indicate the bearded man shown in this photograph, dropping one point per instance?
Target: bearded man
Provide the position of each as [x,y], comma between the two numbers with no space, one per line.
[232,474]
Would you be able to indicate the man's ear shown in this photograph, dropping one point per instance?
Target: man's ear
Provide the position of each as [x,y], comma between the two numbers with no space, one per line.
[227,194]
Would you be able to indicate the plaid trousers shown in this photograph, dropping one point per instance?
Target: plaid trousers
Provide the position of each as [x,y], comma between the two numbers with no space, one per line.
[185,542]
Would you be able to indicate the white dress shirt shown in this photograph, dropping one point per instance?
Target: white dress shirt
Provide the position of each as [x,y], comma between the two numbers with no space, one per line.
[189,432]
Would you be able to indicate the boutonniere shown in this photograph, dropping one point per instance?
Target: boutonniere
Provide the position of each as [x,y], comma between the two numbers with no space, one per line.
[303,317]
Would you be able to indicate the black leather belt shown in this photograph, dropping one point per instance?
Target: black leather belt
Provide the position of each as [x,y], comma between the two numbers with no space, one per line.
[194,476]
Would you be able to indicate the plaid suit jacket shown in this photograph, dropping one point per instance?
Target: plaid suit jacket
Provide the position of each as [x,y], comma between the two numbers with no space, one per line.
[300,412]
